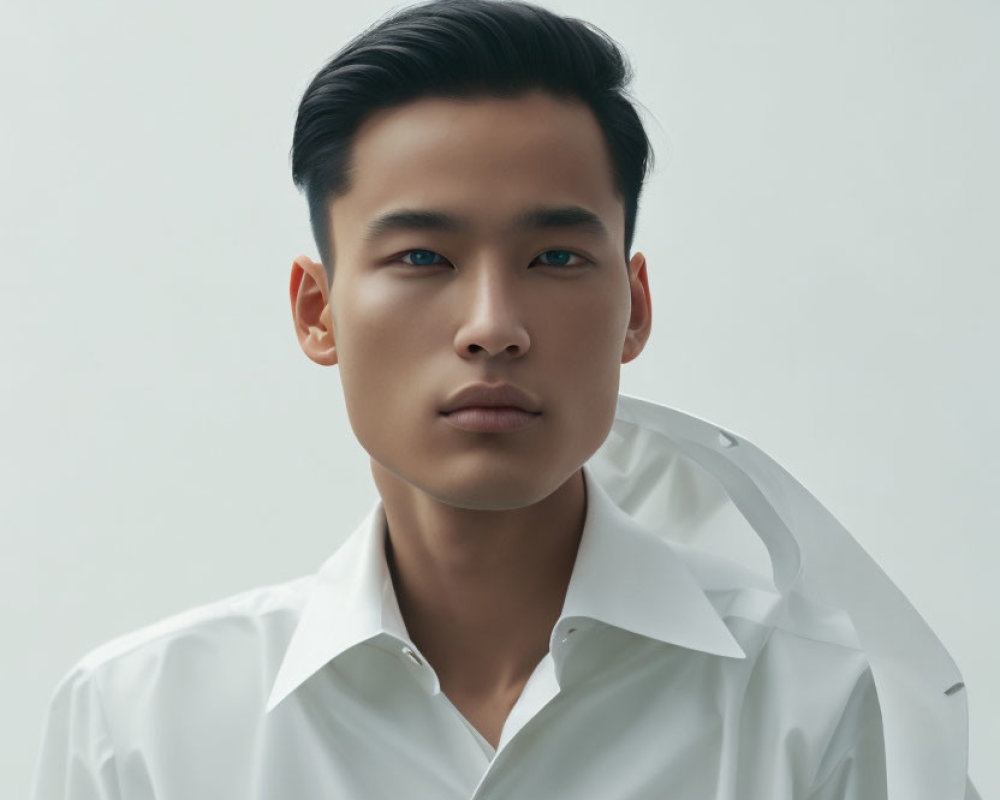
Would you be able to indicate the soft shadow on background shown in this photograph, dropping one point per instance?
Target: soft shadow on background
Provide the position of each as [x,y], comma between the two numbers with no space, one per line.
[820,231]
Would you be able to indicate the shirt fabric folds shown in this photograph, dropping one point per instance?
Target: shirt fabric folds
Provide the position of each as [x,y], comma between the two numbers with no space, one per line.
[722,638]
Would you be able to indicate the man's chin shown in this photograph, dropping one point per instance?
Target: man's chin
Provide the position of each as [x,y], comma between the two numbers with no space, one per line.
[493,494]
[474,487]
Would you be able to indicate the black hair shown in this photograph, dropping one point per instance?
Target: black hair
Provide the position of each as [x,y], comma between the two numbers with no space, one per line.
[463,49]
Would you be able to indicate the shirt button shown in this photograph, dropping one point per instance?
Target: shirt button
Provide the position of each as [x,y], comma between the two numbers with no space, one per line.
[412,656]
[566,637]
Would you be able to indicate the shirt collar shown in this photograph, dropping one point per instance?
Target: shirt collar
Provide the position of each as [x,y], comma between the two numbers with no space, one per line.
[352,601]
[623,576]
[630,578]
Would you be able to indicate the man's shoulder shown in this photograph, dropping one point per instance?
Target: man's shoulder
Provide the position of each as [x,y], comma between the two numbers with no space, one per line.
[252,625]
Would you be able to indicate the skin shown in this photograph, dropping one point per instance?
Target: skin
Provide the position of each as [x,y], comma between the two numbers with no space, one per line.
[483,528]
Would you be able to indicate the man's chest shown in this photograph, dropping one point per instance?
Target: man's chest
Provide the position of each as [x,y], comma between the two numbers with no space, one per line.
[622,718]
[628,719]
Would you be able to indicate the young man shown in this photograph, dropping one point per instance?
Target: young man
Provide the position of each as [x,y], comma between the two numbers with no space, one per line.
[517,617]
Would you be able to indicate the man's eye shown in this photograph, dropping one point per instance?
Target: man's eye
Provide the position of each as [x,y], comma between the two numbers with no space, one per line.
[550,258]
[421,258]
[560,258]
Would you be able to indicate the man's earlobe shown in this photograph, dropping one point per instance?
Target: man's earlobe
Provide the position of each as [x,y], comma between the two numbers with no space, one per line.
[641,316]
[311,314]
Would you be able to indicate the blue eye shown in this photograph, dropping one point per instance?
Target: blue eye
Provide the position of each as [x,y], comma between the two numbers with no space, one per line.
[561,257]
[429,258]
[419,258]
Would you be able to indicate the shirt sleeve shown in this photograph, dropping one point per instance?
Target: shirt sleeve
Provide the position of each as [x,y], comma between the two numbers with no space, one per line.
[853,765]
[77,759]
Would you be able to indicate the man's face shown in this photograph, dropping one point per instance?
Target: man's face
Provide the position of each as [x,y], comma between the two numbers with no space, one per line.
[416,313]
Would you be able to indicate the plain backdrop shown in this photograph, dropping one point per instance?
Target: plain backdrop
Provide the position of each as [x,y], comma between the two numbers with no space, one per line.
[821,232]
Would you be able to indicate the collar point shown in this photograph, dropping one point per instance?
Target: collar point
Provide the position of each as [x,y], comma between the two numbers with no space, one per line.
[733,650]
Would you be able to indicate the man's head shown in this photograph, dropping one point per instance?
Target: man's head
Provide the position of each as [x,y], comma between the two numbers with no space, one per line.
[476,233]
[462,49]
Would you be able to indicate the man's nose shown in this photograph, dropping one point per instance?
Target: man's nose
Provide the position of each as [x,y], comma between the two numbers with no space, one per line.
[491,320]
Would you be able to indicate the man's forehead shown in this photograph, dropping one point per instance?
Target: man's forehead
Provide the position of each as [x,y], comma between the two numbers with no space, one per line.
[532,138]
[508,164]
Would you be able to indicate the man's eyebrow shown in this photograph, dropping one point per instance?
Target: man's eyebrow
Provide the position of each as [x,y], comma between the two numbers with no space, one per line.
[544,217]
[532,219]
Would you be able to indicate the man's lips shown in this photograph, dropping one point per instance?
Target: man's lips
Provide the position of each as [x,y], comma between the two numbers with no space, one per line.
[490,419]
[491,408]
[491,396]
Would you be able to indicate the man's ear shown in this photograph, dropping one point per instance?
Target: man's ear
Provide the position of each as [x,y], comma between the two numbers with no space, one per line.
[311,310]
[641,318]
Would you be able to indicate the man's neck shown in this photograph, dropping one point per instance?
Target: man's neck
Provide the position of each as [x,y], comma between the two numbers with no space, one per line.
[480,591]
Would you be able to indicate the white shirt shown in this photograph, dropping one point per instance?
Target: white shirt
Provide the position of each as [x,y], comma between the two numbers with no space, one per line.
[673,671]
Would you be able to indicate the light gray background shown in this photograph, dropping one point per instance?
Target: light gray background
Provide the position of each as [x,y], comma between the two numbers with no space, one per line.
[821,234]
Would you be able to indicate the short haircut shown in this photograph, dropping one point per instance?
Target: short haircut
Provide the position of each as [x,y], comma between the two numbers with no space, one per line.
[463,49]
